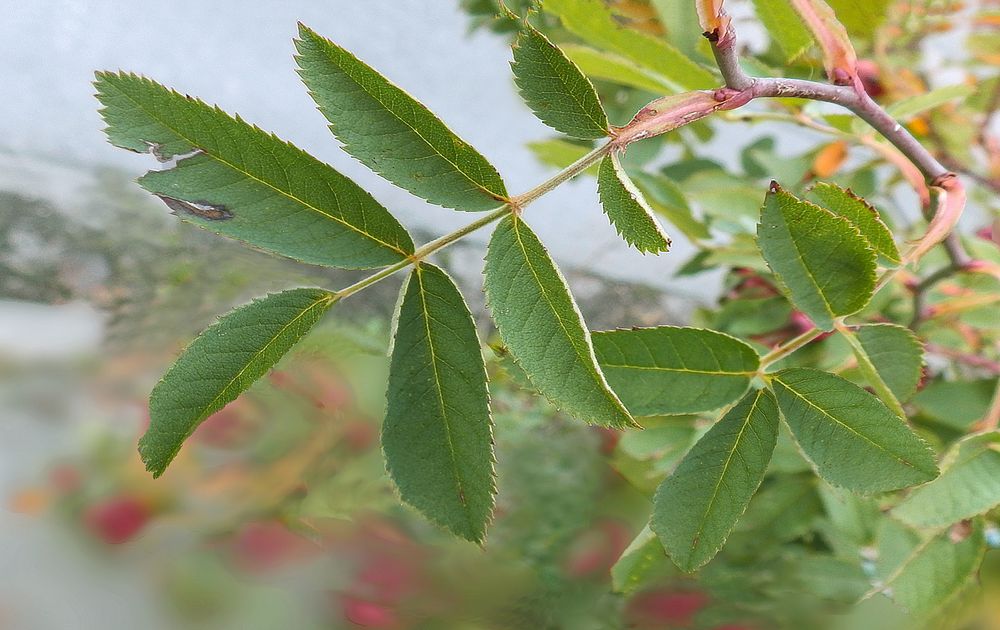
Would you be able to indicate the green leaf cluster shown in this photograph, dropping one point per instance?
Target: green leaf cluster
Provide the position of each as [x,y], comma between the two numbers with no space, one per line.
[741,455]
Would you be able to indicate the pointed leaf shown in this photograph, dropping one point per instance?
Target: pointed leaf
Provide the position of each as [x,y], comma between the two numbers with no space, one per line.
[697,506]
[968,486]
[593,22]
[392,133]
[542,327]
[555,89]
[821,260]
[438,435]
[851,437]
[628,210]
[671,370]
[897,354]
[236,180]
[861,215]
[222,363]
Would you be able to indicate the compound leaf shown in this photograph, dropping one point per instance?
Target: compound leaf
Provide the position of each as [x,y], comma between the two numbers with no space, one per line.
[628,210]
[239,181]
[671,370]
[555,89]
[697,506]
[824,264]
[540,324]
[437,435]
[392,133]
[851,437]
[222,363]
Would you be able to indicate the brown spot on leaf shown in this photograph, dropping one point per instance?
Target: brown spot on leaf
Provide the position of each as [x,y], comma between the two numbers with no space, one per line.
[208,211]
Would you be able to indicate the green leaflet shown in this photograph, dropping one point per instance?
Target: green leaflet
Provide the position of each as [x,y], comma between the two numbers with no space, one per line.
[642,558]
[851,437]
[438,435]
[241,182]
[671,370]
[627,209]
[897,354]
[935,571]
[593,22]
[697,506]
[968,486]
[861,215]
[610,67]
[540,324]
[393,134]
[554,88]
[222,363]
[821,260]
[784,26]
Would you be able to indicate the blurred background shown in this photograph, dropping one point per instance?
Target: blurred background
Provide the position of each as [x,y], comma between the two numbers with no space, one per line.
[279,513]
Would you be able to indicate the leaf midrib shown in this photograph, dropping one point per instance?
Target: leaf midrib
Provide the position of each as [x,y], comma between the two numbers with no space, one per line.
[541,288]
[657,368]
[567,88]
[328,298]
[722,475]
[805,267]
[491,193]
[425,315]
[214,155]
[846,426]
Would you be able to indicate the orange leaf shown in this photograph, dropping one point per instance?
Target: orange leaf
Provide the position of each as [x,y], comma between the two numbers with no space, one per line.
[829,159]
[711,17]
